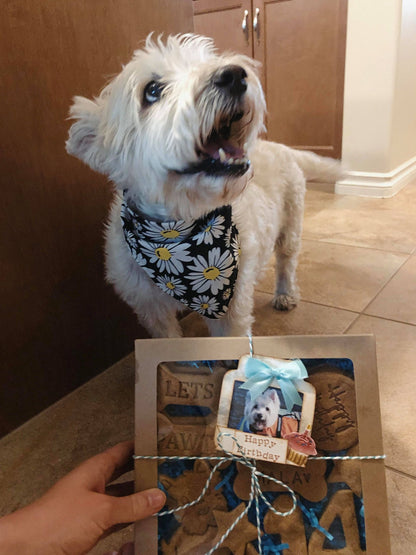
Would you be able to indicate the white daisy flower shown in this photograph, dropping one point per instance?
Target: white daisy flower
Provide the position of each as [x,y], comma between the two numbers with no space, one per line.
[236,247]
[211,274]
[204,305]
[213,229]
[227,237]
[167,257]
[171,285]
[165,231]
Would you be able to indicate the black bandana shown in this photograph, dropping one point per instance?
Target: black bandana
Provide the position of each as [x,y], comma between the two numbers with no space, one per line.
[194,262]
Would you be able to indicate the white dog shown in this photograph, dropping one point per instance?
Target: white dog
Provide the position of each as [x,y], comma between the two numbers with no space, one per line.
[262,413]
[199,199]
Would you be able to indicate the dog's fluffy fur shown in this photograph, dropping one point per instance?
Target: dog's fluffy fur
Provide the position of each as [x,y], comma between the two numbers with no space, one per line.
[262,412]
[143,146]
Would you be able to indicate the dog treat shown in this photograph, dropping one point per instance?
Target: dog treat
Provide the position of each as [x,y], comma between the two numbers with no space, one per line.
[182,543]
[308,481]
[187,439]
[290,528]
[348,472]
[341,507]
[300,447]
[184,489]
[242,534]
[335,422]
[197,388]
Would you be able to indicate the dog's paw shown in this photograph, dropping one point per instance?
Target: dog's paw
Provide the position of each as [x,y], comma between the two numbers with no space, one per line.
[284,302]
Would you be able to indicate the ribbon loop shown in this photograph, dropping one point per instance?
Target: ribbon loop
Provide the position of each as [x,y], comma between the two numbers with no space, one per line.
[260,376]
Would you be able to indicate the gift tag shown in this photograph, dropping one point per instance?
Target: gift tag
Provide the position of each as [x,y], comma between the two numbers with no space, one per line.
[266,411]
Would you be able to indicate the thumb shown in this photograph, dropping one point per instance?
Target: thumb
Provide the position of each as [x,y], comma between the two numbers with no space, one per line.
[137,506]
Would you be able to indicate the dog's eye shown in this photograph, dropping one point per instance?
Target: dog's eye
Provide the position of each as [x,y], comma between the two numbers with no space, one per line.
[267,408]
[152,92]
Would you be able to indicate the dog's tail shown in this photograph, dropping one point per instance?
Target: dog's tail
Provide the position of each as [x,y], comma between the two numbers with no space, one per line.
[318,168]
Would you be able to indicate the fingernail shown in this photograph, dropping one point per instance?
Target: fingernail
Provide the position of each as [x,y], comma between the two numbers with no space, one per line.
[156,498]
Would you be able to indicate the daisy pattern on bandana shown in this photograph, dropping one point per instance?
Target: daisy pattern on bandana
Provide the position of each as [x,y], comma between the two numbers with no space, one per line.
[211,273]
[168,257]
[204,304]
[166,231]
[210,230]
[235,247]
[171,285]
[193,262]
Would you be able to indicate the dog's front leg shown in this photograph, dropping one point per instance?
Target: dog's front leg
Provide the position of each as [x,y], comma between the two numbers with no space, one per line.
[155,310]
[160,325]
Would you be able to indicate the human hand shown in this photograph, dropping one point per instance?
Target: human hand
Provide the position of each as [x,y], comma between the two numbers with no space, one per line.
[76,512]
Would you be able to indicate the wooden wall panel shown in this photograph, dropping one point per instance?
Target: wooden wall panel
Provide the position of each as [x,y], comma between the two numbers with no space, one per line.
[60,323]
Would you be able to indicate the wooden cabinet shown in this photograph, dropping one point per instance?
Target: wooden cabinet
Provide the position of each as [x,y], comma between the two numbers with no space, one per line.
[60,323]
[301,45]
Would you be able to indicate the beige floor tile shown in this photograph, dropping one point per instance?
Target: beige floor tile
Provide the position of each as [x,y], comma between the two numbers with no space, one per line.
[385,224]
[396,355]
[305,319]
[95,416]
[340,276]
[401,492]
[397,300]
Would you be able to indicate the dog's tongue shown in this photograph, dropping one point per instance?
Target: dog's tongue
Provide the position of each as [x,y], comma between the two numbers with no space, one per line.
[213,147]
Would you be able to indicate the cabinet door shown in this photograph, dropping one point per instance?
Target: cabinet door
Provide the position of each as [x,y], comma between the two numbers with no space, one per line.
[302,46]
[223,21]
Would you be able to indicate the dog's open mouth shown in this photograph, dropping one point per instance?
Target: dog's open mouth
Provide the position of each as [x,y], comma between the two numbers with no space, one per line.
[220,154]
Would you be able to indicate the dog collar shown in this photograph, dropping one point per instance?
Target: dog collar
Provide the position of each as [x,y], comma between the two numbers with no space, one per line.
[194,262]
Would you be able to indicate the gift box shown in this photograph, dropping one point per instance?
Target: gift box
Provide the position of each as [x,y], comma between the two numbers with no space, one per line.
[331,502]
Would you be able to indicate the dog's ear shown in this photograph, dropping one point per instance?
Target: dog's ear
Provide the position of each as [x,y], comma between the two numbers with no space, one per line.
[83,139]
[273,395]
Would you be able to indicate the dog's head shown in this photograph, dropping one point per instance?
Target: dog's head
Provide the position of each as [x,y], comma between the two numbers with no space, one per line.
[263,411]
[177,123]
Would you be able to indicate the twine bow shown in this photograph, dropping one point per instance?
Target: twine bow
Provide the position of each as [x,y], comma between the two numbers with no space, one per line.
[260,376]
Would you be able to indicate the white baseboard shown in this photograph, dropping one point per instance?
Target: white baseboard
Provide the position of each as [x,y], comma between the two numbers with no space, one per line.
[379,185]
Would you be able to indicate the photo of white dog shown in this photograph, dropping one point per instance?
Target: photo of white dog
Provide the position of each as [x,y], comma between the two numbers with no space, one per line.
[261,414]
[200,202]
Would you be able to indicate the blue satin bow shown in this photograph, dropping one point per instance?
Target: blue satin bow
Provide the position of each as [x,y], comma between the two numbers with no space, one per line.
[260,376]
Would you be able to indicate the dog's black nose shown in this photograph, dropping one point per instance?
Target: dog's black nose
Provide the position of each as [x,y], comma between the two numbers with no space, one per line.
[232,79]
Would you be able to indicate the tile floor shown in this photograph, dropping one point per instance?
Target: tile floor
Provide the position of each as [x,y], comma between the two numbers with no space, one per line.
[357,274]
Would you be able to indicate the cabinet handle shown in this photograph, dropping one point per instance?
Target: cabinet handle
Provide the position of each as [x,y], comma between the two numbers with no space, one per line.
[256,23]
[244,25]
